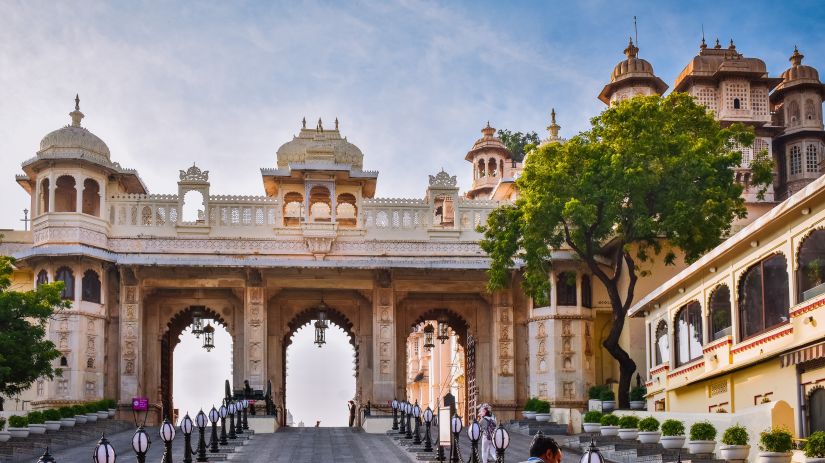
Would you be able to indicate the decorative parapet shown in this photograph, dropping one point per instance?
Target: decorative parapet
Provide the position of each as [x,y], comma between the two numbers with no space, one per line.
[763,340]
[807,308]
[719,343]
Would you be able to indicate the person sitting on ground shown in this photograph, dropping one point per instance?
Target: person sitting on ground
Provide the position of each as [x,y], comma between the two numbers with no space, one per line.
[544,449]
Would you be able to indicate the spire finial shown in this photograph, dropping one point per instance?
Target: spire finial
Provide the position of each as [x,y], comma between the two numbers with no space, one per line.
[336,123]
[553,128]
[703,45]
[718,45]
[488,130]
[731,46]
[320,127]
[304,123]
[632,50]
[796,58]
[77,102]
[76,115]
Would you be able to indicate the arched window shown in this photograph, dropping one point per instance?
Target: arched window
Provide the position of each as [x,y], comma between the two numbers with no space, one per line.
[91,197]
[737,104]
[91,287]
[661,347]
[481,170]
[587,292]
[763,296]
[293,209]
[492,167]
[66,275]
[64,362]
[566,288]
[796,160]
[688,333]
[501,167]
[810,112]
[193,208]
[42,278]
[346,212]
[320,204]
[44,196]
[793,113]
[810,274]
[811,159]
[719,305]
[65,195]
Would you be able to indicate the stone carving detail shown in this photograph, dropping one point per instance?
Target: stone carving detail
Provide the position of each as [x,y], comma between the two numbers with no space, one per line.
[194,174]
[505,340]
[385,367]
[543,390]
[69,235]
[568,390]
[129,329]
[588,350]
[255,321]
[319,245]
[443,180]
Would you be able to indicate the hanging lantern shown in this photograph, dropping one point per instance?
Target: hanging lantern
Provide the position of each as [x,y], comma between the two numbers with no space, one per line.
[197,322]
[443,329]
[208,338]
[320,335]
[428,337]
[322,311]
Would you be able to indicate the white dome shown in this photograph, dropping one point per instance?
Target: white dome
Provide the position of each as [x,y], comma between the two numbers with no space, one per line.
[73,138]
[320,146]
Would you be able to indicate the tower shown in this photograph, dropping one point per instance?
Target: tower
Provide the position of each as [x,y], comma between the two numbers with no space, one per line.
[492,162]
[631,77]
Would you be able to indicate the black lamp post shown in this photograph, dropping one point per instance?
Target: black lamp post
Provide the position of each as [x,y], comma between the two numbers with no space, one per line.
[428,419]
[428,337]
[474,432]
[223,412]
[46,457]
[213,439]
[208,338]
[200,422]
[167,435]
[238,426]
[417,417]
[140,444]
[231,408]
[455,426]
[593,455]
[395,414]
[245,403]
[408,412]
[186,426]
[402,428]
[501,440]
[104,453]
[443,329]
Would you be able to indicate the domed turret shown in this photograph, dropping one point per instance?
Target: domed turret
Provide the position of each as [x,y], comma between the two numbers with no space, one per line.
[320,145]
[631,77]
[798,74]
[798,97]
[492,162]
[73,139]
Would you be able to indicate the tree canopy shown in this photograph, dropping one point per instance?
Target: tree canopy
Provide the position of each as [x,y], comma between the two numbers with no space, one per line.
[25,353]
[652,177]
[518,143]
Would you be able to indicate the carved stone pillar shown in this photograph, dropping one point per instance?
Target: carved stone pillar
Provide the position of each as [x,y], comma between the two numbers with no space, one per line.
[504,387]
[130,336]
[384,329]
[255,348]
[52,189]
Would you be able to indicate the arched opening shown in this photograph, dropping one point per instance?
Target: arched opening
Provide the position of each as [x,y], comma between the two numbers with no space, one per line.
[293,209]
[91,197]
[444,214]
[492,167]
[191,376]
[737,104]
[66,275]
[810,111]
[720,317]
[320,204]
[810,273]
[90,287]
[793,112]
[319,379]
[763,296]
[566,288]
[44,196]
[662,346]
[42,277]
[346,213]
[587,292]
[688,333]
[482,171]
[65,195]
[193,208]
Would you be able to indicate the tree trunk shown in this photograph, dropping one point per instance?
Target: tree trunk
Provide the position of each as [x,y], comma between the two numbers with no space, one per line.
[626,364]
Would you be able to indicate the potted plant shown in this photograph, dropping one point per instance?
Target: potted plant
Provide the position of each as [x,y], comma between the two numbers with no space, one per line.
[80,414]
[610,425]
[111,407]
[629,427]
[735,443]
[649,431]
[673,434]
[775,446]
[91,412]
[637,398]
[543,411]
[702,438]
[594,395]
[530,408]
[592,421]
[52,417]
[102,409]
[608,399]
[4,435]
[815,448]
[37,423]
[18,426]
[67,418]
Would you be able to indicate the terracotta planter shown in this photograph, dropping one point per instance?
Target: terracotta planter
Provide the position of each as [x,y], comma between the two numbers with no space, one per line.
[638,405]
[628,433]
[608,405]
[701,446]
[37,429]
[91,417]
[734,452]
[53,425]
[649,437]
[81,419]
[543,416]
[112,412]
[775,457]
[68,422]
[609,430]
[18,433]
[529,415]
[5,436]
[672,442]
[592,427]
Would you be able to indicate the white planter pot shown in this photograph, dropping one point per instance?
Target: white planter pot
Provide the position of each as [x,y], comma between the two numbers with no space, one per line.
[701,446]
[609,430]
[594,404]
[68,422]
[102,415]
[672,442]
[5,436]
[649,437]
[530,415]
[628,433]
[91,417]
[608,405]
[735,452]
[638,404]
[592,427]
[775,457]
[37,428]
[81,419]
[543,416]
[53,425]
[112,412]
[18,433]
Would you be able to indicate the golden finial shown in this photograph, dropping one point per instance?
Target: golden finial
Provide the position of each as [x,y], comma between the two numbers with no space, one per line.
[76,115]
[796,58]
[553,128]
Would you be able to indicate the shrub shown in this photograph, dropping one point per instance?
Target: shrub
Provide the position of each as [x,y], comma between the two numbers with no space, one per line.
[629,422]
[110,403]
[79,409]
[673,428]
[51,415]
[66,412]
[609,420]
[649,424]
[702,430]
[18,421]
[735,435]
[543,406]
[531,404]
[2,423]
[776,440]
[101,405]
[593,416]
[814,446]
[607,394]
[36,418]
[90,408]
[638,393]
[595,392]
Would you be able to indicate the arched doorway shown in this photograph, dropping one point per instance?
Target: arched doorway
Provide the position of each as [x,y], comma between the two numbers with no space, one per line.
[816,410]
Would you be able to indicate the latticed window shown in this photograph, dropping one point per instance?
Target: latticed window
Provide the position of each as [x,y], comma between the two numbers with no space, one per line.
[381,219]
[235,215]
[407,220]
[247,216]
[759,101]
[146,216]
[736,94]
[706,96]
[160,216]
[259,216]
[811,159]
[747,154]
[796,160]
[396,219]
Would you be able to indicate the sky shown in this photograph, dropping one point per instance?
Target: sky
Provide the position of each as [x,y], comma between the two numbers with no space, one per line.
[224,84]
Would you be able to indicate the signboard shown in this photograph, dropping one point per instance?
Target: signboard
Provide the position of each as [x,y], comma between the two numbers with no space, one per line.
[444,427]
[140,404]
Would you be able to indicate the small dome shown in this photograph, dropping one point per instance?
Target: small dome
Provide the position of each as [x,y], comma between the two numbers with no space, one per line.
[320,145]
[799,71]
[488,141]
[73,138]
[631,65]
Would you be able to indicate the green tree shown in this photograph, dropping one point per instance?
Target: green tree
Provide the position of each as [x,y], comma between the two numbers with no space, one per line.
[652,177]
[518,143]
[25,353]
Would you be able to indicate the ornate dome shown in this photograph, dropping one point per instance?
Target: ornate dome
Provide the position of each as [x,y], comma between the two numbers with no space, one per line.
[631,65]
[73,138]
[320,145]
[799,71]
[488,141]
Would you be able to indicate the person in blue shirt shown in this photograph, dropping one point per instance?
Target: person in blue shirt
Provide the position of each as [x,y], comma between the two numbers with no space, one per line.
[544,450]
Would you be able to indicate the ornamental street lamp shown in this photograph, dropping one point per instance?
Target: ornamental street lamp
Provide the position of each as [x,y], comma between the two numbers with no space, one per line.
[593,455]
[208,338]
[238,426]
[417,415]
[474,432]
[223,411]
[200,422]
[140,444]
[455,426]
[104,453]
[394,414]
[245,403]
[443,329]
[402,428]
[197,322]
[46,457]
[231,409]
[428,337]
[428,419]
[186,425]
[501,440]
[320,334]
[167,435]
[408,411]
[213,440]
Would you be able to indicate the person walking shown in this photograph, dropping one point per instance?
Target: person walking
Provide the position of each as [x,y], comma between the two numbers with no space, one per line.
[352,410]
[487,422]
